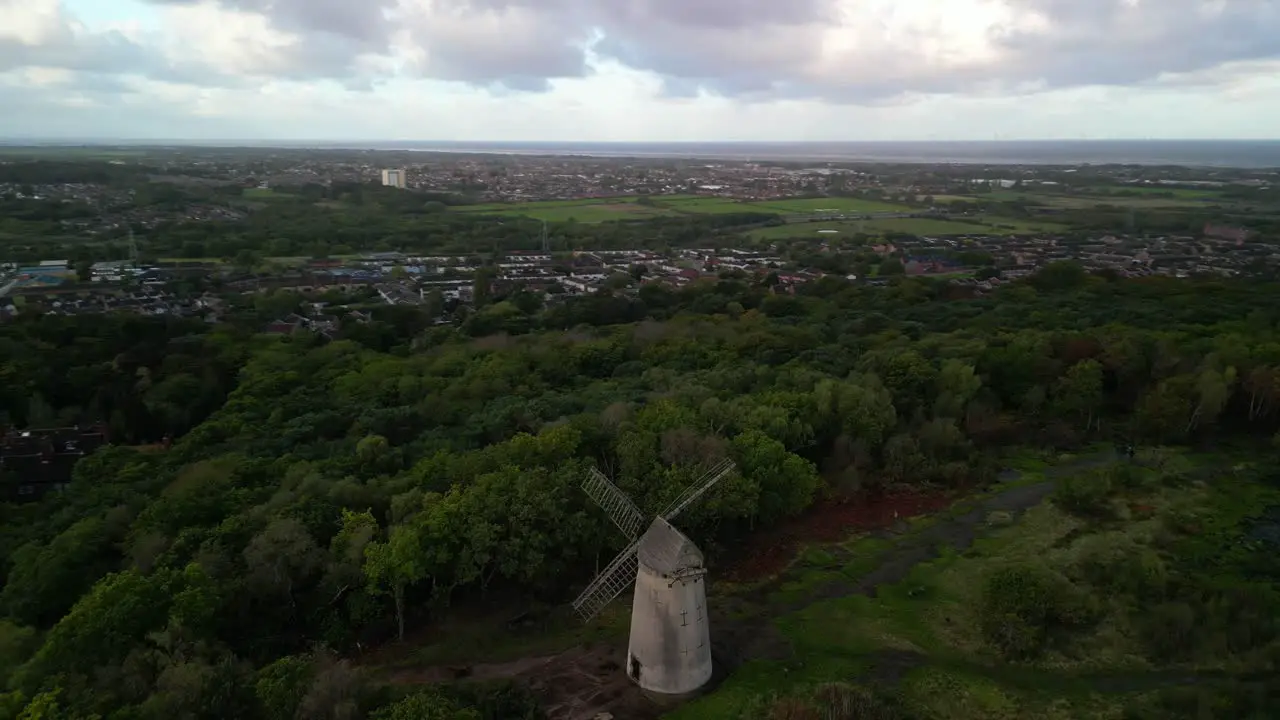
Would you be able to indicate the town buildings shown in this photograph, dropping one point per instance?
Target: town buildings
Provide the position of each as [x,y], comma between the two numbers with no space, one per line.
[34,462]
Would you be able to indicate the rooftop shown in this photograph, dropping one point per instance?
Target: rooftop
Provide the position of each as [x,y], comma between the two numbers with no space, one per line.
[666,550]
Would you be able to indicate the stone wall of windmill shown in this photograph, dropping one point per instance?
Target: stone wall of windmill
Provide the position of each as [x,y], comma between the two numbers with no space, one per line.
[670,647]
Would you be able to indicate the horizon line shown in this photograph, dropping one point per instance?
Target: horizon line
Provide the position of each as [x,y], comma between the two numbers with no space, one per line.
[138,140]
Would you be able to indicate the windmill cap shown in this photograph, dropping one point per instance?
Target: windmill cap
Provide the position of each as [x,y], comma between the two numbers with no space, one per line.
[665,549]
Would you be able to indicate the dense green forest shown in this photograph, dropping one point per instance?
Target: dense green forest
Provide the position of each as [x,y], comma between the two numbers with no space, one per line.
[347,490]
[144,377]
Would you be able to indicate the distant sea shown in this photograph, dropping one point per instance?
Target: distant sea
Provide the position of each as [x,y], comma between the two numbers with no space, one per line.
[1254,154]
[1251,154]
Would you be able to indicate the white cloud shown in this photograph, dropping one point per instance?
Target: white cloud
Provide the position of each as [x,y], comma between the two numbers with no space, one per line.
[641,69]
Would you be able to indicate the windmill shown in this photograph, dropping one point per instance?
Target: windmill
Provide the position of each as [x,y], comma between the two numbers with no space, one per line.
[670,647]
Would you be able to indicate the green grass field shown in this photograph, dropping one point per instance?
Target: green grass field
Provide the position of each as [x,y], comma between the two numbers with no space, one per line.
[914,226]
[596,210]
[708,205]
[538,205]
[828,205]
[593,213]
[72,153]
[1084,202]
[1180,193]
[946,199]
[1004,225]
[591,210]
[265,194]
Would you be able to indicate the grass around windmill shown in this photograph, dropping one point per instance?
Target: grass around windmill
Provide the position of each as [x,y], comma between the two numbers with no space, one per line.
[931,641]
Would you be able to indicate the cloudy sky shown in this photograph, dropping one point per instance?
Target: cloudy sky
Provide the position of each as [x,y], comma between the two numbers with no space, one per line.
[616,70]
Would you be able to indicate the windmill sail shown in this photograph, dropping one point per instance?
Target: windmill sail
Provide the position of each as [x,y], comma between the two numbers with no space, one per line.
[616,504]
[695,490]
[615,578]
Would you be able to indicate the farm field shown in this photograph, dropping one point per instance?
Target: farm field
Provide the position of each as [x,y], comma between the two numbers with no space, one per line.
[594,210]
[1084,202]
[1180,193]
[538,205]
[708,205]
[586,213]
[265,194]
[914,226]
[591,210]
[1015,225]
[826,205]
[945,199]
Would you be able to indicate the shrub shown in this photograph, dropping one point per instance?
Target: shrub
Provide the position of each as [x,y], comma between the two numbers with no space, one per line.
[839,701]
[1168,630]
[788,708]
[1126,476]
[1021,605]
[1123,566]
[1085,493]
[426,705]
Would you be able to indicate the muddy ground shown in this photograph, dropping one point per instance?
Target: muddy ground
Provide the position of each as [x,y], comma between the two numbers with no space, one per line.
[583,682]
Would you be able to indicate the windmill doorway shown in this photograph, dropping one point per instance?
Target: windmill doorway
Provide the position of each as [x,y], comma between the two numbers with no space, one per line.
[633,667]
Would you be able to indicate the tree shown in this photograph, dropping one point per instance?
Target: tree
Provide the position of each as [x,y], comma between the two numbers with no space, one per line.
[246,260]
[482,286]
[281,686]
[891,266]
[47,579]
[1213,390]
[786,483]
[282,557]
[1263,385]
[40,414]
[394,564]
[434,305]
[100,629]
[16,645]
[956,384]
[1059,276]
[1079,393]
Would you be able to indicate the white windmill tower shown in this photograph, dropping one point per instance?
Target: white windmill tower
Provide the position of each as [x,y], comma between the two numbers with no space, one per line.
[670,647]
